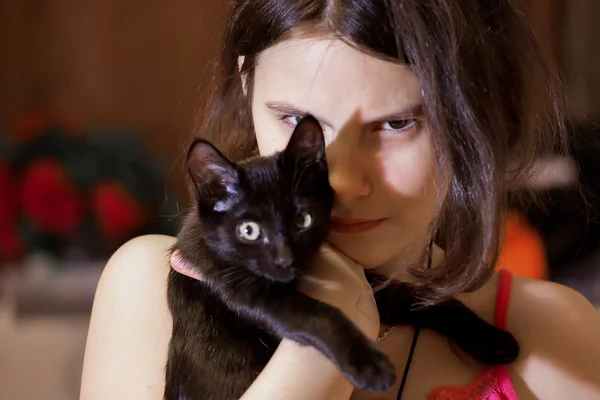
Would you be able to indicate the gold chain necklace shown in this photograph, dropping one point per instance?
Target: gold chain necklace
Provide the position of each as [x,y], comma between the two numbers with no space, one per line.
[389,329]
[383,334]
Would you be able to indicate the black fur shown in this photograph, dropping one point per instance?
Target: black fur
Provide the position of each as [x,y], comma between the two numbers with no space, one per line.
[226,327]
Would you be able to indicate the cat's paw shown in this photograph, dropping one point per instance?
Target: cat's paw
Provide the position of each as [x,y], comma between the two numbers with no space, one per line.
[370,369]
[494,347]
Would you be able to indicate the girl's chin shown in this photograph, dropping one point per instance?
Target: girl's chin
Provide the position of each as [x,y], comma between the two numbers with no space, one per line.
[367,261]
[375,257]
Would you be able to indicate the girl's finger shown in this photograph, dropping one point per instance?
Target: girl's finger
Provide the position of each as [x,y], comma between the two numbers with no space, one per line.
[183,267]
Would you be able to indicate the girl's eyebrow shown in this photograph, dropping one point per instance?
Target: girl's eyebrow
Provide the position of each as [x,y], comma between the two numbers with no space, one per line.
[409,112]
[281,107]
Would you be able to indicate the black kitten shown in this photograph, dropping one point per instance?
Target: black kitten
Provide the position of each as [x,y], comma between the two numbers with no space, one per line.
[254,229]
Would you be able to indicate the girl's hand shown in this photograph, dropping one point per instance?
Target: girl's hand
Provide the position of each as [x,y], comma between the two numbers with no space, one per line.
[333,279]
[339,281]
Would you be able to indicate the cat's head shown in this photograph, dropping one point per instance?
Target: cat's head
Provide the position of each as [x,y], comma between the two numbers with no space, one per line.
[268,215]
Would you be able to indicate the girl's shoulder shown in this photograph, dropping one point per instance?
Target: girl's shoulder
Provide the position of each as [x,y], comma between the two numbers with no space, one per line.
[130,325]
[559,333]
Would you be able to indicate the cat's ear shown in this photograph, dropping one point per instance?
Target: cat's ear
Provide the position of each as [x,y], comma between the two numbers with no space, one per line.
[214,176]
[307,143]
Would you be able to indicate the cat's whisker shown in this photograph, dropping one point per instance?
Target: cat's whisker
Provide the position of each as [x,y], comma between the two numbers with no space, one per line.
[230,276]
[298,180]
[234,277]
[294,178]
[242,284]
[227,272]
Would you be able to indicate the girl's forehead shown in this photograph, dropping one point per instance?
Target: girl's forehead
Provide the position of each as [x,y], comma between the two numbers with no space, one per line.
[330,76]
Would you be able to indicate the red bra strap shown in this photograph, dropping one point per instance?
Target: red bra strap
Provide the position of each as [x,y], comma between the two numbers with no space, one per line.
[502,298]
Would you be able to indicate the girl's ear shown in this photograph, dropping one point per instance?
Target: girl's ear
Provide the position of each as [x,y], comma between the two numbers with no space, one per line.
[244,83]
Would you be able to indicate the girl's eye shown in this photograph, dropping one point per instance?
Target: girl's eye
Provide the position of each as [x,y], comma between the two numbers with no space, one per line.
[291,121]
[249,231]
[399,125]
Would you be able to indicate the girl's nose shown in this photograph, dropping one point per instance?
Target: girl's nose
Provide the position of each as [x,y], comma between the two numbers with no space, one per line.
[349,181]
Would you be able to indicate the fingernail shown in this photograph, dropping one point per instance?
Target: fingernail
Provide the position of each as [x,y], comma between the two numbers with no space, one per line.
[177,261]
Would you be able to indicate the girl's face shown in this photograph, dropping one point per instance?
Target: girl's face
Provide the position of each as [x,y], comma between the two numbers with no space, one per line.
[381,160]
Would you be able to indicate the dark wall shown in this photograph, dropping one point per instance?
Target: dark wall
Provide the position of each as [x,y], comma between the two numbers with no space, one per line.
[128,63]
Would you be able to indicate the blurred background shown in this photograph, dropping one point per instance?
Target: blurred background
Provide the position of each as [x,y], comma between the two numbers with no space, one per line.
[97,104]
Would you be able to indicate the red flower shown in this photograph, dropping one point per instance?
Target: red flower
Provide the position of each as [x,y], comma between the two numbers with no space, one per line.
[8,207]
[49,199]
[11,245]
[117,213]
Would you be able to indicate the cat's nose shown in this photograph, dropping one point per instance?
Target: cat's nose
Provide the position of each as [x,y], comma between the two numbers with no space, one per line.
[284,262]
[283,257]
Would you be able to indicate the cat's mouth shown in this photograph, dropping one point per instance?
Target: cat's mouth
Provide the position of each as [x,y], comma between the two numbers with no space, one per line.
[278,273]
[281,275]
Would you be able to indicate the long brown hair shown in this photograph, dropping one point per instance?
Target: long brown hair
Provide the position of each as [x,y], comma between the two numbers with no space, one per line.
[494,104]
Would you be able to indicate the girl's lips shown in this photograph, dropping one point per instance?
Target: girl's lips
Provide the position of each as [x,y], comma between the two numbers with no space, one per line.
[353,225]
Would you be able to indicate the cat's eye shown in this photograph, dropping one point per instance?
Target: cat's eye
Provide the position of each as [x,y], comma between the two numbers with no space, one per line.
[249,231]
[304,220]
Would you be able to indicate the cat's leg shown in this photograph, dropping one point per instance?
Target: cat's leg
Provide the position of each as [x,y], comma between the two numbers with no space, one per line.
[307,321]
[483,341]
